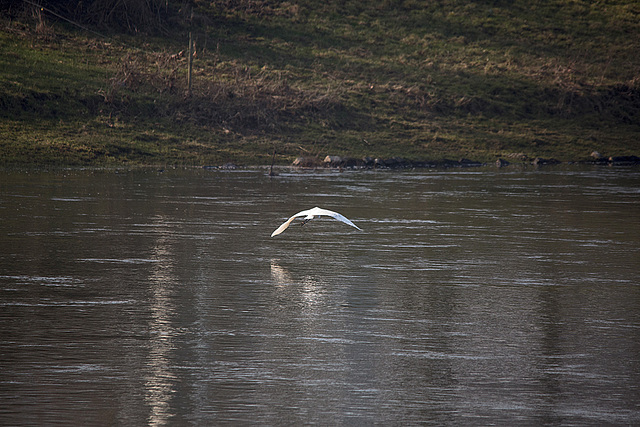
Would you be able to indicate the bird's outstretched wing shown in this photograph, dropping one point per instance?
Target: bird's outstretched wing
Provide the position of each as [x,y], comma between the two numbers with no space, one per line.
[334,215]
[289,221]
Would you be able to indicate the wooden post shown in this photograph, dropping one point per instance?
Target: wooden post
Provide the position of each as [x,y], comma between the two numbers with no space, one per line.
[190,62]
[273,160]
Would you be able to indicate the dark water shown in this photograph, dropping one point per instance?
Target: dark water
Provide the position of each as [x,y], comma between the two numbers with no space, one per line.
[479,297]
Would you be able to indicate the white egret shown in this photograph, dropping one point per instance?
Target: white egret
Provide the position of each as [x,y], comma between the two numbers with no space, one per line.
[309,214]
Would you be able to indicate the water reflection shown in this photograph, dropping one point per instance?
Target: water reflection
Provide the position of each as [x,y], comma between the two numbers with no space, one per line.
[280,275]
[159,378]
[307,290]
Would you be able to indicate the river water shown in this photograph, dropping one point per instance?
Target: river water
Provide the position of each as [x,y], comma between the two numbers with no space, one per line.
[471,297]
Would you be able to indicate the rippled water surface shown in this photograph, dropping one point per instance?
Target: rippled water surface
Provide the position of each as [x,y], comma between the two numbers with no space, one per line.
[470,297]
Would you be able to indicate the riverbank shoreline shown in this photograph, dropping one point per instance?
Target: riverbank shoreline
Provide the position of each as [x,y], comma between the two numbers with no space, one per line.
[275,170]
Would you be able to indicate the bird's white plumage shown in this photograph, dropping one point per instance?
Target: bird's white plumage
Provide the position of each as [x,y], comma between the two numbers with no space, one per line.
[312,213]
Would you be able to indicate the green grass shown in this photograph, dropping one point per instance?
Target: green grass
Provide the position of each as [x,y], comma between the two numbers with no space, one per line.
[422,80]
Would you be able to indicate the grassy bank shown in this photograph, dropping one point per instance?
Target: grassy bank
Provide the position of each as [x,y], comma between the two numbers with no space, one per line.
[419,80]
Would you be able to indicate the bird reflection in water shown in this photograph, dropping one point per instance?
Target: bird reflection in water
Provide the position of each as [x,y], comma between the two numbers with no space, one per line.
[307,289]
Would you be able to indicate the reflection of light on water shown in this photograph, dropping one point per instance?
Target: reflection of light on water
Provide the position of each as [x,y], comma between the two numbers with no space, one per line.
[159,379]
[311,291]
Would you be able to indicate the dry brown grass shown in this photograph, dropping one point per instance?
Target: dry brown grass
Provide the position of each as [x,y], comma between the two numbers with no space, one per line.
[227,95]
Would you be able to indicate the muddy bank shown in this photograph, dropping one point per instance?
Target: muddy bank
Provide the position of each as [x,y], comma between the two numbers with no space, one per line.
[340,162]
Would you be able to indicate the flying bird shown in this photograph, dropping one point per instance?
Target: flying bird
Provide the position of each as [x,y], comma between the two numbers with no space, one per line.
[309,214]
